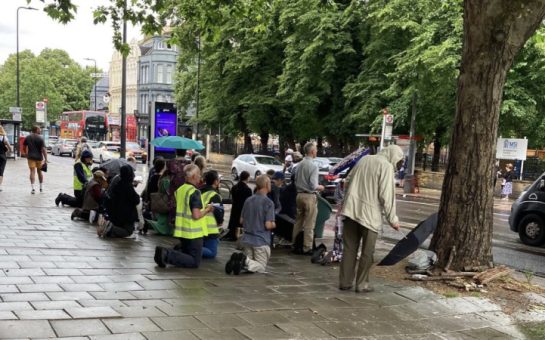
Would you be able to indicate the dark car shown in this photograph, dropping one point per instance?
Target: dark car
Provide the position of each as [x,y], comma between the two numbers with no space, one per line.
[325,178]
[528,214]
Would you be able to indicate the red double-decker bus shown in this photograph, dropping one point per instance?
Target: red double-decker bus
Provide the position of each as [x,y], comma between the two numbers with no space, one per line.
[91,124]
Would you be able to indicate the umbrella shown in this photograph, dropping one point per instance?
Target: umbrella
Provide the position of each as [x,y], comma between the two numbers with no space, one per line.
[177,142]
[410,243]
[114,165]
[350,160]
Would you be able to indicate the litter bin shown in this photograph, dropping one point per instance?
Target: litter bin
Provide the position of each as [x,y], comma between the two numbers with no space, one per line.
[324,211]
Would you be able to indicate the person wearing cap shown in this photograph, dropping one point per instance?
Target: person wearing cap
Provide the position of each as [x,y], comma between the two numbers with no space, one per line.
[92,197]
[82,146]
[289,159]
[82,175]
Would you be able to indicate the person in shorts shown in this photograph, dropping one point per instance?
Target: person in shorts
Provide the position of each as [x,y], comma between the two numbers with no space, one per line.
[34,148]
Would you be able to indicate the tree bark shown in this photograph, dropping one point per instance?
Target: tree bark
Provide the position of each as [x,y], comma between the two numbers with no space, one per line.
[494,31]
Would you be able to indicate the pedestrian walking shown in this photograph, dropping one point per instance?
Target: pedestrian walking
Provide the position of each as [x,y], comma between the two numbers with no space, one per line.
[370,193]
[190,225]
[82,175]
[211,195]
[5,149]
[82,146]
[240,192]
[508,178]
[258,220]
[34,148]
[308,187]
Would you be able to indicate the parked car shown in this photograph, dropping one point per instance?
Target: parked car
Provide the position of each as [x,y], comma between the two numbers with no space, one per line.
[256,165]
[325,178]
[51,140]
[527,216]
[104,151]
[63,147]
[136,151]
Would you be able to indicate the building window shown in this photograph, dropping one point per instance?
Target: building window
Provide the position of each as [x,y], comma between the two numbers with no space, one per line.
[160,74]
[161,45]
[169,74]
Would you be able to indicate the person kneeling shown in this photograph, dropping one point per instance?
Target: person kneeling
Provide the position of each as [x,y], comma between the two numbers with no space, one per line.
[214,221]
[257,220]
[121,201]
[82,175]
[190,224]
[92,198]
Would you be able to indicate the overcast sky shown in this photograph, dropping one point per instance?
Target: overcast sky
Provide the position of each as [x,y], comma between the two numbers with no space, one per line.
[80,38]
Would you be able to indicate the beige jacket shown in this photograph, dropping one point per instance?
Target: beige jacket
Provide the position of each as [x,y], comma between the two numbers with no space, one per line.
[371,189]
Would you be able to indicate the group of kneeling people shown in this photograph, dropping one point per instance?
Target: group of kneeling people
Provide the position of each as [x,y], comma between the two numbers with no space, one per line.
[96,194]
[199,220]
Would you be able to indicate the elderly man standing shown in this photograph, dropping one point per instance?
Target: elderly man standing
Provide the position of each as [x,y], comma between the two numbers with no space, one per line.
[306,181]
[370,193]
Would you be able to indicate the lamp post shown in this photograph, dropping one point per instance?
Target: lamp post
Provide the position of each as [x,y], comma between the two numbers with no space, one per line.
[123,137]
[95,84]
[17,43]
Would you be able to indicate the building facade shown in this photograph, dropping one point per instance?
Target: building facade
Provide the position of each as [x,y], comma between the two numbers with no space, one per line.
[132,81]
[100,88]
[156,77]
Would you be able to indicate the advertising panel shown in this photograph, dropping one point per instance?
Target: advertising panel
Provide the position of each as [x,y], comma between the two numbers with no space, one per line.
[511,148]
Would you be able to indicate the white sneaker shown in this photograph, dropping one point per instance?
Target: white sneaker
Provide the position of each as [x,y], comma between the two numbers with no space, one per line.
[92,216]
[132,236]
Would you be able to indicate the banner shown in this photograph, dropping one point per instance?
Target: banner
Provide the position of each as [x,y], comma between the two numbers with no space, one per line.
[510,148]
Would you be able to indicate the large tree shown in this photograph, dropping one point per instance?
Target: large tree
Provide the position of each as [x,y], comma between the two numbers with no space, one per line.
[494,32]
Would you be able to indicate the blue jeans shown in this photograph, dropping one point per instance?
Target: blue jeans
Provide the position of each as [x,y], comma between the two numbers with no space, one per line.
[210,248]
[189,255]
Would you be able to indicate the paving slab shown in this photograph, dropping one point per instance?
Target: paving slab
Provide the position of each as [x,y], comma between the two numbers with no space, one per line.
[304,330]
[175,323]
[50,314]
[264,332]
[171,335]
[130,325]
[92,312]
[25,329]
[65,328]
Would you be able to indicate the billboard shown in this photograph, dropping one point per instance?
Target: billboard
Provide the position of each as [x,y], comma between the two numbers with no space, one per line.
[164,122]
[511,148]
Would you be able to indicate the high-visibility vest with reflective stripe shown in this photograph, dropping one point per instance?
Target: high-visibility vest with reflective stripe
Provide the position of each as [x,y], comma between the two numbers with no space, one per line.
[211,223]
[185,226]
[88,174]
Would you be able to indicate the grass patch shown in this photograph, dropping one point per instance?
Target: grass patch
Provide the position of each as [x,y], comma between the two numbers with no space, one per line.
[451,295]
[533,330]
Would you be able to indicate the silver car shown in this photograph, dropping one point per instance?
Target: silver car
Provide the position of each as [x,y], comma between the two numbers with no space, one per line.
[63,147]
[256,165]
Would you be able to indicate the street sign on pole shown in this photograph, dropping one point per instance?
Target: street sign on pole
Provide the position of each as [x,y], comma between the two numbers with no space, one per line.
[387,127]
[15,109]
[40,112]
[99,75]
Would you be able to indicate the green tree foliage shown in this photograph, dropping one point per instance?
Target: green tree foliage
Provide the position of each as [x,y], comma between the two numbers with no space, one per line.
[326,68]
[52,75]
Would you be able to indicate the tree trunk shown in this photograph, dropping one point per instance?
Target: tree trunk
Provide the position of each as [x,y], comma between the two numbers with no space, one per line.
[264,142]
[494,31]
[248,147]
[437,149]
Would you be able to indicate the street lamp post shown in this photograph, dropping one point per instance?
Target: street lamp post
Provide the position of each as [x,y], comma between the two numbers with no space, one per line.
[95,84]
[17,43]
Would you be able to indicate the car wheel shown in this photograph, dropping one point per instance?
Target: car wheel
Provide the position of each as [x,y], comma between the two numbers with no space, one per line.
[101,159]
[234,172]
[532,230]
[257,174]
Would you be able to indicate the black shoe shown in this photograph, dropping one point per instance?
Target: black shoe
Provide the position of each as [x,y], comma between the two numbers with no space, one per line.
[229,265]
[58,199]
[160,257]
[74,214]
[239,263]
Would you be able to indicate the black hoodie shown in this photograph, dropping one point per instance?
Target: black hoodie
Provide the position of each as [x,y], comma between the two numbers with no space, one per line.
[123,199]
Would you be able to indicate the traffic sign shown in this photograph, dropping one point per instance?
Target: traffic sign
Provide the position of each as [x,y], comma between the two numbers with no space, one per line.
[15,109]
[40,106]
[389,119]
[99,75]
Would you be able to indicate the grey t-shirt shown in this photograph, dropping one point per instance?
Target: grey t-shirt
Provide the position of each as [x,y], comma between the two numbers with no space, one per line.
[306,176]
[257,210]
[35,144]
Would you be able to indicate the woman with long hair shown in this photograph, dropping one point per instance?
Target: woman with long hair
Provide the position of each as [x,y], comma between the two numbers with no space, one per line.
[5,149]
[508,178]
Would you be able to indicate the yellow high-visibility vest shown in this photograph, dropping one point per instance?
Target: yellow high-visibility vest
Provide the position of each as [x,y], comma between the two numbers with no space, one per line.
[184,225]
[210,220]
[88,174]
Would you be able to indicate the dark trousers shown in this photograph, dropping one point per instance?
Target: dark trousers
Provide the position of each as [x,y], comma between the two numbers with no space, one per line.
[210,247]
[76,201]
[120,232]
[187,255]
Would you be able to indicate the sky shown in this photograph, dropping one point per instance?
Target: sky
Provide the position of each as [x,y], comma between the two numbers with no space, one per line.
[80,38]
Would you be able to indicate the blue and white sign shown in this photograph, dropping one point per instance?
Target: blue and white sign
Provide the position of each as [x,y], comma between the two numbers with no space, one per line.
[510,148]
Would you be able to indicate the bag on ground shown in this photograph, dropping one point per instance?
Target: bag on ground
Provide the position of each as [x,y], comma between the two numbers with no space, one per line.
[422,259]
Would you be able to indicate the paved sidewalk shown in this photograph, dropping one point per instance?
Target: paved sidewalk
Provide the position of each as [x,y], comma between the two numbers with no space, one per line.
[57,279]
